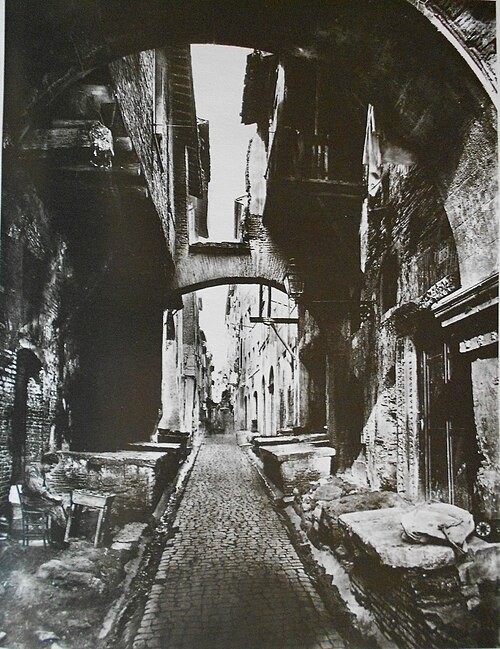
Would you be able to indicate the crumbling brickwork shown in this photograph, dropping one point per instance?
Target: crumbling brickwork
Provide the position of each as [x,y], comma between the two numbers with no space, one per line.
[137,478]
[133,78]
[416,608]
[34,269]
[424,243]
[411,230]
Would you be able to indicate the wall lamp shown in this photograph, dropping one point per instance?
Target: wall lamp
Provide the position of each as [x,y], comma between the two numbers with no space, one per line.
[170,325]
[294,284]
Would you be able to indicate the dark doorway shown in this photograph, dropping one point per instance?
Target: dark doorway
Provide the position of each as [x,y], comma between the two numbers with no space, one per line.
[448,450]
[28,366]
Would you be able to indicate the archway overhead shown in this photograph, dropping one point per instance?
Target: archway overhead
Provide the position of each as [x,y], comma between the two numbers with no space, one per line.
[224,280]
[398,51]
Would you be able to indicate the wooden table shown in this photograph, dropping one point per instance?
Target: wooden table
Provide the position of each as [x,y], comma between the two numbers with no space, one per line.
[91,500]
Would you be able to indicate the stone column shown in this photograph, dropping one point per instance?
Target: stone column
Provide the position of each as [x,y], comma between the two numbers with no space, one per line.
[189,404]
[170,397]
[407,418]
[303,393]
[484,374]
[336,376]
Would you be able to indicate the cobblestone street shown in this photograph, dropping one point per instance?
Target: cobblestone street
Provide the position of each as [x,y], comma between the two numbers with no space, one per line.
[230,577]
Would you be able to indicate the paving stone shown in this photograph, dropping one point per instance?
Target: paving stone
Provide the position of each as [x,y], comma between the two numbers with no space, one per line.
[231,578]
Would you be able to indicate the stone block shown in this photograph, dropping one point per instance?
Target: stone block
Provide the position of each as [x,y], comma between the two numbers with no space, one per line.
[483,563]
[128,537]
[379,534]
[296,465]
[333,508]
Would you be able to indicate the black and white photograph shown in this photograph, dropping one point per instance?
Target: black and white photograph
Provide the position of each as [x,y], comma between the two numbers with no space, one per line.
[249,324]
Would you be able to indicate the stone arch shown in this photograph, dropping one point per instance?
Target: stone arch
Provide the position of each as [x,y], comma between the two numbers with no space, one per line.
[419,61]
[87,35]
[202,265]
[224,279]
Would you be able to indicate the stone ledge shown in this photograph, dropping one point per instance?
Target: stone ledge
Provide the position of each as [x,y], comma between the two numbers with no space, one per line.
[219,248]
[296,451]
[276,440]
[128,537]
[379,534]
[139,458]
[482,563]
[156,447]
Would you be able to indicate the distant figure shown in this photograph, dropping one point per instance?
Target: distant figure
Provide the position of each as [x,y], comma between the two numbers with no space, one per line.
[225,401]
[38,495]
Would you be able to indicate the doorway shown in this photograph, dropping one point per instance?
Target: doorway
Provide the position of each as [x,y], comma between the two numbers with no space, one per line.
[28,367]
[449,456]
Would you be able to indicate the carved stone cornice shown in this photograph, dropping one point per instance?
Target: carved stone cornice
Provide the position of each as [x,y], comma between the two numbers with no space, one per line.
[465,303]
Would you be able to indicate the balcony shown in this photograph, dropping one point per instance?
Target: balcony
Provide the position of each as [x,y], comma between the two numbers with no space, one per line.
[312,158]
[309,171]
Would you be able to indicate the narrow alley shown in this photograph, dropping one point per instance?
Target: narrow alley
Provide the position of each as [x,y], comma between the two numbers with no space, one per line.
[231,578]
[249,325]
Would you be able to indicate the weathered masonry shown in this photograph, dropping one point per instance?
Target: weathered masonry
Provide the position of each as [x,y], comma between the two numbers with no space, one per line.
[394,230]
[99,190]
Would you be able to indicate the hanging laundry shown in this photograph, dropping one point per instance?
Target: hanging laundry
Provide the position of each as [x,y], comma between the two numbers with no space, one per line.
[372,154]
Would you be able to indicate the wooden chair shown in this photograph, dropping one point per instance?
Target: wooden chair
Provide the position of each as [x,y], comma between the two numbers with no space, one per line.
[35,522]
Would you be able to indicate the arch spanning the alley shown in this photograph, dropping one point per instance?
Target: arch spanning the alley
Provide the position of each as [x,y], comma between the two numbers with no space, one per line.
[204,265]
[421,64]
[87,35]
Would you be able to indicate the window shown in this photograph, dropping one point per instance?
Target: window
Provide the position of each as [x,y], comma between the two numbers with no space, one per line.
[159,113]
[389,281]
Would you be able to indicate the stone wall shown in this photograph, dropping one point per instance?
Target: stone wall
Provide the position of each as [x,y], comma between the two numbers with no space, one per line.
[133,79]
[137,478]
[438,230]
[471,201]
[35,266]
[421,595]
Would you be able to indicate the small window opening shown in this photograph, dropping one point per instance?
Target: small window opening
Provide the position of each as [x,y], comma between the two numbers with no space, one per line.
[389,282]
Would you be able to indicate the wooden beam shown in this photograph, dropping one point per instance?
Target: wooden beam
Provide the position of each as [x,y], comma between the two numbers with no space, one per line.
[269,321]
[74,134]
[131,169]
[47,139]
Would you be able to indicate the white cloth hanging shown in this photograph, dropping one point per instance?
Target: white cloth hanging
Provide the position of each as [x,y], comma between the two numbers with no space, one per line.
[372,154]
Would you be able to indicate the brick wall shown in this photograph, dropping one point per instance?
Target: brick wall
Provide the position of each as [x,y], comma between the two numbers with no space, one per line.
[133,79]
[137,478]
[7,381]
[34,268]
[413,607]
